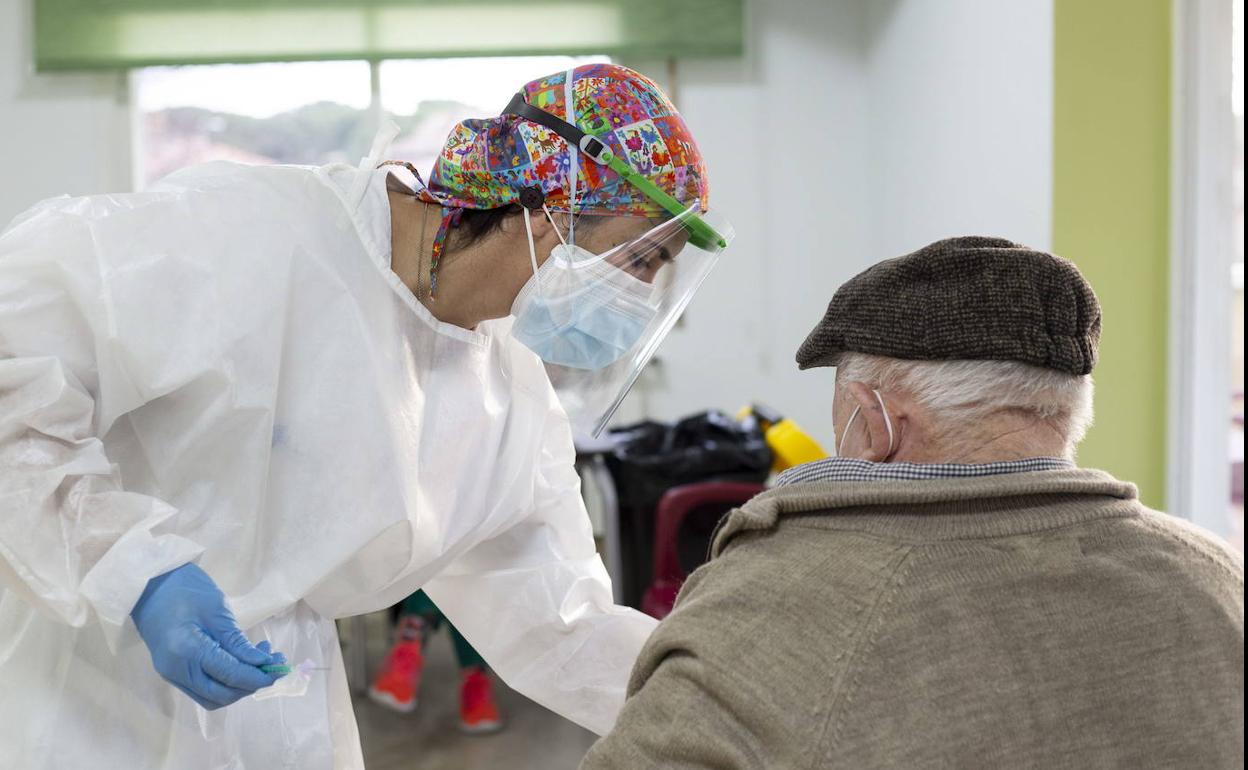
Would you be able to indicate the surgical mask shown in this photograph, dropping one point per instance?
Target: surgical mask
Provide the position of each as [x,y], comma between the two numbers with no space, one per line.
[840,449]
[578,310]
[597,318]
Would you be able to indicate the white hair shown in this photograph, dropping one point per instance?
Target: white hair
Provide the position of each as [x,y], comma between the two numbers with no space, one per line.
[960,393]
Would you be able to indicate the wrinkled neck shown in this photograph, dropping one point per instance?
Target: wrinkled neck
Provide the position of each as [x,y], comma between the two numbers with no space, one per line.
[1001,439]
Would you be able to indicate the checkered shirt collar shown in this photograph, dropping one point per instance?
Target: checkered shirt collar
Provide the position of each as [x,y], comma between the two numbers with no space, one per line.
[851,469]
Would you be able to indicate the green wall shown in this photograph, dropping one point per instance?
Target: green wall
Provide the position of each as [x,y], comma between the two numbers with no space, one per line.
[1111,196]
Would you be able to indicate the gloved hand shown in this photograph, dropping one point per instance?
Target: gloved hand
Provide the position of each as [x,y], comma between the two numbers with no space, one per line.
[194,641]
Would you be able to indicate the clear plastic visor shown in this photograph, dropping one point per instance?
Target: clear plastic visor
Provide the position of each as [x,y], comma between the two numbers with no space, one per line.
[603,303]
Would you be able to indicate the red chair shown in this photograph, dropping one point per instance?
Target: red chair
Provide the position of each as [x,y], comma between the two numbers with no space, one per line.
[705,502]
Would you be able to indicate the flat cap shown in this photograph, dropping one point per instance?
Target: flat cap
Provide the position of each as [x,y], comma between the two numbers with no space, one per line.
[968,298]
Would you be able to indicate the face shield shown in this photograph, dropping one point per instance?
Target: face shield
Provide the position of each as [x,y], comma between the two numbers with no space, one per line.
[599,305]
[596,319]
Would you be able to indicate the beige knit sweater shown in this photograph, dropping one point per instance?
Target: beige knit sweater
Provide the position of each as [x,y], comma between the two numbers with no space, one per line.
[1036,620]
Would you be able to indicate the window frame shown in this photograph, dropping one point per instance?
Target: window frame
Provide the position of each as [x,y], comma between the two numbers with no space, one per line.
[1202,153]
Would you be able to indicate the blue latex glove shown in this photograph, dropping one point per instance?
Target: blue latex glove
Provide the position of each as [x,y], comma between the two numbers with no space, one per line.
[195,642]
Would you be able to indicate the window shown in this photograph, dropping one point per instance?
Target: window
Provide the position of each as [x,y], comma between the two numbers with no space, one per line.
[309,112]
[317,112]
[427,97]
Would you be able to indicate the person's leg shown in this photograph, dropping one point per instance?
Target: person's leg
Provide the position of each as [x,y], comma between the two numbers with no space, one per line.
[420,605]
[465,653]
[478,713]
[397,683]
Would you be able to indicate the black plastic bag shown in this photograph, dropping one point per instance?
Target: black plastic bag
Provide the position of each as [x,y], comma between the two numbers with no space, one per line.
[650,458]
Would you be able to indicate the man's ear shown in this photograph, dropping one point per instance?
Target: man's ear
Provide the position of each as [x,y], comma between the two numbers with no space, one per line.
[871,441]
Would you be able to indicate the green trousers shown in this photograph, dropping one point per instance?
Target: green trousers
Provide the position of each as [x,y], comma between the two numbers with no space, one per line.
[420,604]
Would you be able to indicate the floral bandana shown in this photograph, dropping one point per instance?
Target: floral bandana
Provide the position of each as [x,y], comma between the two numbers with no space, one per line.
[486,163]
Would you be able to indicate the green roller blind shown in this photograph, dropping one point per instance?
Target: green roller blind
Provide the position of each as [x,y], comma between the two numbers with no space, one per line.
[114,34]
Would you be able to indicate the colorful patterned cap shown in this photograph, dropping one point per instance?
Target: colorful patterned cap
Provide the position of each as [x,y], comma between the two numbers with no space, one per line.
[485,163]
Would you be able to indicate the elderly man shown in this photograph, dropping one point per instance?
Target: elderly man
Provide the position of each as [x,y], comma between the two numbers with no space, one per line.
[951,590]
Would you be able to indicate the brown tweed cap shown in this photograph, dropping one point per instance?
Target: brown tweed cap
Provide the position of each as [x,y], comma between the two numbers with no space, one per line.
[969,298]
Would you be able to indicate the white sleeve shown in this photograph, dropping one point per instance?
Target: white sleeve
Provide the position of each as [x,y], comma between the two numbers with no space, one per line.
[536,601]
[73,543]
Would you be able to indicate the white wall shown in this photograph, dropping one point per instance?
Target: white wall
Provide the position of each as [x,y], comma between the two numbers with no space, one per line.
[783,131]
[961,120]
[853,131]
[58,133]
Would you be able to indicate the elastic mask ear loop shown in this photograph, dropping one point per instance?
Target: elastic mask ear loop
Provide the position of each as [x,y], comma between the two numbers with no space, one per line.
[533,250]
[888,423]
[558,234]
[537,275]
[840,448]
[528,231]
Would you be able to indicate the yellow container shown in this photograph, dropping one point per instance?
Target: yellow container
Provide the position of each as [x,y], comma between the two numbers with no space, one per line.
[791,445]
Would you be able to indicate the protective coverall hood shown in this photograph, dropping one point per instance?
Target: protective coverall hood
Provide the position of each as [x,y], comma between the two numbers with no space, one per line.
[225,369]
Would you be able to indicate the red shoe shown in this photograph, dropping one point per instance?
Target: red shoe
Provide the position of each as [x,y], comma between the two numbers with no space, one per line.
[398,682]
[477,710]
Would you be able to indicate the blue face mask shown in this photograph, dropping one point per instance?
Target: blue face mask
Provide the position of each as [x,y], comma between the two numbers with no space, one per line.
[578,311]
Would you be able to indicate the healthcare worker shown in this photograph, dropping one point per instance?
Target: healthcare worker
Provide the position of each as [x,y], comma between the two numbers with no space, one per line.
[252,400]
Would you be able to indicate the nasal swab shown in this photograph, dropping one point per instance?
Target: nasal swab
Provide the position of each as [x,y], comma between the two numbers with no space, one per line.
[282,669]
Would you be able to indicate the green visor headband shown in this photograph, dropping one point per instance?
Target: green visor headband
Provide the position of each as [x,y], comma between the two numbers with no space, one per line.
[701,234]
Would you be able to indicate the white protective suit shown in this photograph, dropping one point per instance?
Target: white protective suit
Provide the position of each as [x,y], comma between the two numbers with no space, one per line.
[224,369]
